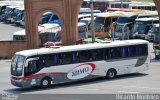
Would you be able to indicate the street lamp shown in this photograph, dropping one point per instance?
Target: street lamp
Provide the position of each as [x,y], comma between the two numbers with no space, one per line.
[92,23]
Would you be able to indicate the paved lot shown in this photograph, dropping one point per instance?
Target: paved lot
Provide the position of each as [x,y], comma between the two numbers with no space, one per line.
[146,82]
[7,30]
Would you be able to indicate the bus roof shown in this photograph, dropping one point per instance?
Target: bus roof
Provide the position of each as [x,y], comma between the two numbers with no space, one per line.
[109,14]
[156,25]
[79,47]
[149,13]
[147,19]
[87,19]
[20,8]
[81,24]
[126,10]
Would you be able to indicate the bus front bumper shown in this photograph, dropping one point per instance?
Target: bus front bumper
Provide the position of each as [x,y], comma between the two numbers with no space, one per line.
[17,83]
[25,83]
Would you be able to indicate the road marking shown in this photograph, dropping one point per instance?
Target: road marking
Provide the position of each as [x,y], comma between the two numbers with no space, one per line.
[89,89]
[142,87]
[132,86]
[60,98]
[130,92]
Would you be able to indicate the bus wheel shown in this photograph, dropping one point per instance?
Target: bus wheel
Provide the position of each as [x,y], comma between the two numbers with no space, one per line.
[46,82]
[111,73]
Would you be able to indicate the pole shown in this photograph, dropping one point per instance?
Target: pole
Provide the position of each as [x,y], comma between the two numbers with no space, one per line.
[128,32]
[92,23]
[113,31]
[121,3]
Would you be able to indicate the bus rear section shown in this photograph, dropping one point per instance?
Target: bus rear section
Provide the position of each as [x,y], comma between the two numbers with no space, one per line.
[47,66]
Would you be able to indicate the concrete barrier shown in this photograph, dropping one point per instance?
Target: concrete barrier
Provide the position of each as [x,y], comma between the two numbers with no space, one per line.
[8,48]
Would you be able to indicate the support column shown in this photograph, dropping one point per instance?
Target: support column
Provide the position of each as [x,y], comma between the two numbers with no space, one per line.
[72,8]
[68,12]
[31,26]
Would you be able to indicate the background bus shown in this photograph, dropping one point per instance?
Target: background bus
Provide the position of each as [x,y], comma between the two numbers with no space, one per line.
[142,26]
[104,24]
[142,6]
[153,34]
[125,24]
[46,66]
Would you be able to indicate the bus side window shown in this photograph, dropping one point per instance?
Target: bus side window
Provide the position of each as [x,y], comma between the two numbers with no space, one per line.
[124,52]
[107,54]
[46,61]
[60,59]
[112,53]
[78,56]
[55,59]
[132,51]
[32,67]
[75,57]
[84,55]
[117,52]
[100,54]
[93,55]
[67,58]
[141,50]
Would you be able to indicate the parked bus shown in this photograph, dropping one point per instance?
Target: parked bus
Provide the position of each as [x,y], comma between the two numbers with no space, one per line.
[125,23]
[98,4]
[50,33]
[88,11]
[2,10]
[153,34]
[47,32]
[9,13]
[142,6]
[125,10]
[18,16]
[104,23]
[142,26]
[47,66]
[82,16]
[49,17]
[119,4]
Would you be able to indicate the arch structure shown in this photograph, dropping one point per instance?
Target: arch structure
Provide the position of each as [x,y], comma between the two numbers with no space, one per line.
[66,10]
[157,3]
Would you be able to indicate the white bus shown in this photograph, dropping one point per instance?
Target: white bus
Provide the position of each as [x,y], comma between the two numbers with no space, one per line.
[47,66]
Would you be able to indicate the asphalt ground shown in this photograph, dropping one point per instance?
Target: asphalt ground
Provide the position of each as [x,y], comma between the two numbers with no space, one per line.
[7,30]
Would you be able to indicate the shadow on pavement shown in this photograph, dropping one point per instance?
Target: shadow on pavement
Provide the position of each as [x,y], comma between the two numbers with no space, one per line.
[72,84]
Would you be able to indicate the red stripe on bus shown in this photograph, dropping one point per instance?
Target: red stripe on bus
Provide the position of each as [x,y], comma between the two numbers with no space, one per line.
[36,75]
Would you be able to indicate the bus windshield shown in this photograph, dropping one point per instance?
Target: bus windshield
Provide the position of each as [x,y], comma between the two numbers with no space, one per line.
[99,20]
[17,65]
[140,27]
[123,20]
[119,28]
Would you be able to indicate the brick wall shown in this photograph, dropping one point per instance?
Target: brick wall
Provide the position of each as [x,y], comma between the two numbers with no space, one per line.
[8,48]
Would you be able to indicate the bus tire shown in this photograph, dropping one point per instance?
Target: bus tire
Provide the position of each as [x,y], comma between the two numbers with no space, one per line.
[111,73]
[45,82]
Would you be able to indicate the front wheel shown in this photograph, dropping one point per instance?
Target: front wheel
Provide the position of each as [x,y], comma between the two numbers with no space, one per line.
[111,74]
[46,82]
